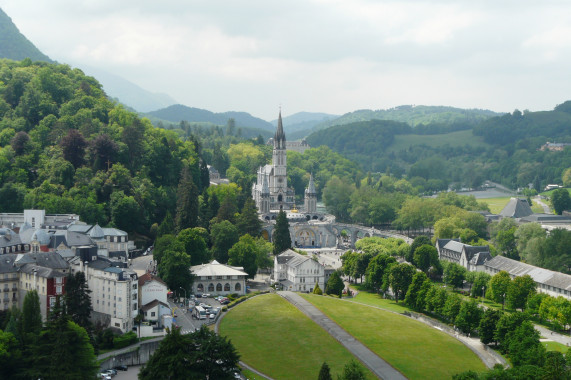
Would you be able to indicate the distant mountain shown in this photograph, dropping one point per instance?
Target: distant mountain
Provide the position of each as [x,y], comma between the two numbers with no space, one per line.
[129,93]
[179,112]
[415,116]
[302,121]
[14,45]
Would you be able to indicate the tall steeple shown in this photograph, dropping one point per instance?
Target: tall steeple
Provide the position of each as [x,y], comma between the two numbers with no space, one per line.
[279,137]
[311,185]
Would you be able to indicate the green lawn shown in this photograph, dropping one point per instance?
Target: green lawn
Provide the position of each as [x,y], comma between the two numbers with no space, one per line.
[274,337]
[372,299]
[497,204]
[555,346]
[458,138]
[418,351]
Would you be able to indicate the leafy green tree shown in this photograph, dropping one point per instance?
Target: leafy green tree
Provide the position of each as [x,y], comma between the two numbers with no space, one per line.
[454,275]
[524,347]
[125,212]
[519,291]
[498,287]
[63,347]
[324,372]
[281,236]
[244,253]
[223,236]
[194,245]
[506,324]
[424,257]
[10,356]
[417,243]
[31,313]
[555,367]
[376,271]
[436,300]
[560,200]
[488,325]
[413,296]
[174,269]
[187,201]
[199,355]
[337,198]
[506,243]
[400,279]
[480,284]
[166,226]
[78,300]
[248,221]
[334,284]
[452,306]
[468,317]
[317,290]
[353,371]
[73,146]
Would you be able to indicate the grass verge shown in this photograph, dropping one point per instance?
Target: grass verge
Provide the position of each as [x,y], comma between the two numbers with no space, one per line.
[275,338]
[418,351]
[555,346]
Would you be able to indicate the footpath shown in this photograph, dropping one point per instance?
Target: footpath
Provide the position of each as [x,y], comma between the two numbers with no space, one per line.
[379,367]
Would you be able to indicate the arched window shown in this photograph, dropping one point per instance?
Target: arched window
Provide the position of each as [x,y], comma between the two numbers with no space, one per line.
[219,287]
[226,287]
[211,287]
[238,287]
[280,198]
[200,287]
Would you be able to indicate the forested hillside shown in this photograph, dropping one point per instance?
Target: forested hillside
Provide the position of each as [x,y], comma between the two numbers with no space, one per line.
[178,112]
[66,148]
[14,45]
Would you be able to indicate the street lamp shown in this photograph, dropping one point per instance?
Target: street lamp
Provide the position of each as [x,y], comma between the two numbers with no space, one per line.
[483,287]
[185,303]
[504,301]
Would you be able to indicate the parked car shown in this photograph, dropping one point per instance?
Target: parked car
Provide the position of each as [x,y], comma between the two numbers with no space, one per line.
[212,316]
[237,375]
[121,368]
[205,295]
[110,372]
[104,376]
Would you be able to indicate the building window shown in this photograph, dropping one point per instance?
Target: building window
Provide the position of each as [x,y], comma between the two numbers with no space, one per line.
[152,314]
[58,289]
[211,287]
[219,287]
[227,287]
[200,288]
[238,287]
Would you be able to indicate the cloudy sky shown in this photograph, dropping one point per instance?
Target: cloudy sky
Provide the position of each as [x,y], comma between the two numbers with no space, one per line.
[316,55]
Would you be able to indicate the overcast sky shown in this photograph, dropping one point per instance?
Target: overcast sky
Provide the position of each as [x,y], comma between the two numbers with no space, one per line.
[316,55]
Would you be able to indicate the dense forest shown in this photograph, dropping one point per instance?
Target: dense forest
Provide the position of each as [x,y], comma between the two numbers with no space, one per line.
[15,45]
[66,148]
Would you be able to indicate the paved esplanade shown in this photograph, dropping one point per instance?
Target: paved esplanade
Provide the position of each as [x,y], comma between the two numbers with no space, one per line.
[379,367]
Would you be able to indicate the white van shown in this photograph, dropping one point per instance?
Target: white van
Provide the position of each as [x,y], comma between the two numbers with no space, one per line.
[199,312]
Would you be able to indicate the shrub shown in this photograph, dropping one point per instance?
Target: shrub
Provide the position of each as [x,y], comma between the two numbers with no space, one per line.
[125,340]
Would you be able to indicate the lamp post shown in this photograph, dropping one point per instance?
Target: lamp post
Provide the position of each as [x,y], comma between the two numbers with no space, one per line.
[483,287]
[185,304]
[504,301]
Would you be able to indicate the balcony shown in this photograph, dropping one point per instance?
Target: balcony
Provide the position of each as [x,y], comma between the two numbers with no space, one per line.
[6,290]
[14,288]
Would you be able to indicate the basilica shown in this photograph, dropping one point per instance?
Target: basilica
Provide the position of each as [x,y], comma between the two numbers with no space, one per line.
[309,228]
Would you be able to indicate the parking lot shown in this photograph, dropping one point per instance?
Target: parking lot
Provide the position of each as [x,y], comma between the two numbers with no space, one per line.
[184,318]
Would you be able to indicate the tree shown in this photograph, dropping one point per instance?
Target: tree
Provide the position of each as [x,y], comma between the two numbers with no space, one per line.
[194,245]
[31,313]
[317,290]
[104,150]
[376,270]
[400,278]
[73,146]
[481,280]
[519,291]
[488,325]
[10,356]
[413,296]
[524,346]
[63,347]
[506,324]
[281,236]
[337,198]
[199,355]
[223,236]
[452,307]
[324,372]
[20,143]
[425,256]
[174,269]
[555,367]
[334,284]
[560,200]
[454,275]
[353,371]
[244,253]
[417,242]
[499,284]
[78,300]
[468,317]
[186,201]
[248,221]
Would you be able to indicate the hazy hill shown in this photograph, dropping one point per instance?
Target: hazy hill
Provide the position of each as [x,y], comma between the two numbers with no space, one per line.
[14,45]
[303,121]
[415,116]
[129,93]
[179,112]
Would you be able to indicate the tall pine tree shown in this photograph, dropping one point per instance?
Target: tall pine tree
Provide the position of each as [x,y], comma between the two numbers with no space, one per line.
[186,202]
[282,238]
[248,221]
[78,300]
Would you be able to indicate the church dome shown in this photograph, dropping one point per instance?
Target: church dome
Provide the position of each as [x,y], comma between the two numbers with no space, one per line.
[96,232]
[25,226]
[41,237]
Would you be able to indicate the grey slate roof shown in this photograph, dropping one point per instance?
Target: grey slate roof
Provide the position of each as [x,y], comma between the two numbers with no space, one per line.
[454,245]
[7,263]
[516,208]
[539,275]
[9,238]
[41,271]
[71,239]
[546,218]
[45,259]
[152,304]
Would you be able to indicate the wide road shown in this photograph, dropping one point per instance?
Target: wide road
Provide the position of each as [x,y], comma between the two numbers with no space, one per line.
[379,367]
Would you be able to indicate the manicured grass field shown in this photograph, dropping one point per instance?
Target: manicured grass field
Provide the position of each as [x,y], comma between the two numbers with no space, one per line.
[555,346]
[278,340]
[376,300]
[497,204]
[418,351]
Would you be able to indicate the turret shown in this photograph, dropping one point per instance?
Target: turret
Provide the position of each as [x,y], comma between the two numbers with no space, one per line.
[265,196]
[310,196]
[279,136]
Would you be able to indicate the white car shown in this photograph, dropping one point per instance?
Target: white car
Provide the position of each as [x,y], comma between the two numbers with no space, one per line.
[212,316]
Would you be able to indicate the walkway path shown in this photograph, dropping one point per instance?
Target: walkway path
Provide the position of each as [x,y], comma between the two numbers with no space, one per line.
[379,367]
[554,336]
[546,208]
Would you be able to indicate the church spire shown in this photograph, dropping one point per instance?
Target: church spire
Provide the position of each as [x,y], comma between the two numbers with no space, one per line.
[279,137]
[311,185]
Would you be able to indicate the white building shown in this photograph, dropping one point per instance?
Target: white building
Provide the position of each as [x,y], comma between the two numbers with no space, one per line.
[219,279]
[471,257]
[115,293]
[550,282]
[298,272]
[151,288]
